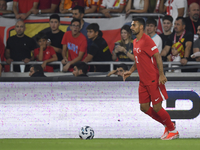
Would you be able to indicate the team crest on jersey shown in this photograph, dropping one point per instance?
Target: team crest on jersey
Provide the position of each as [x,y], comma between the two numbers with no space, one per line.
[137,50]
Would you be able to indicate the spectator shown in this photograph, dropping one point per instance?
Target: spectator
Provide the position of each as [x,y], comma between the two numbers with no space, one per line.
[19,47]
[47,6]
[124,48]
[151,27]
[92,6]
[112,6]
[78,13]
[36,71]
[180,37]
[196,46]
[174,8]
[80,69]
[121,68]
[55,36]
[0,67]
[3,7]
[75,44]
[193,1]
[193,20]
[167,29]
[66,6]
[99,50]
[25,7]
[44,53]
[137,6]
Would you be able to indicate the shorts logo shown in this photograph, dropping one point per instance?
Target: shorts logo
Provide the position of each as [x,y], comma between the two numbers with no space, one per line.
[157,99]
[153,48]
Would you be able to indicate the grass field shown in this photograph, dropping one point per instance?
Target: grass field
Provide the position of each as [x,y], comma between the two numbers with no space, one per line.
[99,144]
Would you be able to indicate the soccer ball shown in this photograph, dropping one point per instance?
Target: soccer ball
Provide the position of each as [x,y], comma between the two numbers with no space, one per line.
[86,133]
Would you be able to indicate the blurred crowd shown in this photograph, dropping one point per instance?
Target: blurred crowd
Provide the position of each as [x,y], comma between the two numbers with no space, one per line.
[83,42]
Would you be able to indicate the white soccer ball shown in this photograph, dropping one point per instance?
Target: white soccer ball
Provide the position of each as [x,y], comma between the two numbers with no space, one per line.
[86,133]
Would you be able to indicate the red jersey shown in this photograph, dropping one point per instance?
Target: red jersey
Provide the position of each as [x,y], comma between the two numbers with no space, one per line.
[75,45]
[47,54]
[144,49]
[25,5]
[46,4]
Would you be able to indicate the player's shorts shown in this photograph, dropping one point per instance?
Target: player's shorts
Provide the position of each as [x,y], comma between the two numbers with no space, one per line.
[154,93]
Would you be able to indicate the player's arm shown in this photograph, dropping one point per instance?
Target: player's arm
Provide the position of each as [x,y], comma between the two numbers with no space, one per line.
[181,12]
[128,73]
[91,10]
[188,46]
[78,58]
[162,78]
[162,7]
[165,50]
[196,50]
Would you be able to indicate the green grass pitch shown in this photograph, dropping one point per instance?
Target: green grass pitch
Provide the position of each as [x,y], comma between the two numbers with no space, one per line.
[99,144]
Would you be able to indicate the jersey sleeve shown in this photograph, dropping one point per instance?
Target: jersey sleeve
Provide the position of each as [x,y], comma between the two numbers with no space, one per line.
[122,2]
[8,44]
[189,37]
[180,3]
[36,52]
[52,51]
[151,47]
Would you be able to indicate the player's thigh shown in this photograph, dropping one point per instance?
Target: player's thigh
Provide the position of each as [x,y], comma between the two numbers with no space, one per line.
[144,96]
[157,92]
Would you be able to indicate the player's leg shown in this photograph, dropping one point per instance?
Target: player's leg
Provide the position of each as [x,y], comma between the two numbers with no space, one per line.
[144,99]
[158,94]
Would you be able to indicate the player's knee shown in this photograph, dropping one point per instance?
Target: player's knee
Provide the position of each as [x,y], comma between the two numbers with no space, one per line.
[157,107]
[144,108]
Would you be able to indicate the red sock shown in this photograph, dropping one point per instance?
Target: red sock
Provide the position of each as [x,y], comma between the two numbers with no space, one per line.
[154,115]
[166,119]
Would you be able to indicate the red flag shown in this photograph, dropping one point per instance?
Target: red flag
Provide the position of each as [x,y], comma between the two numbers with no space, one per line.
[159,28]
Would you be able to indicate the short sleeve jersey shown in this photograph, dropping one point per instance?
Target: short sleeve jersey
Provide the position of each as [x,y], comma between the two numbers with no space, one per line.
[47,54]
[25,5]
[46,4]
[75,45]
[143,50]
[111,4]
[197,43]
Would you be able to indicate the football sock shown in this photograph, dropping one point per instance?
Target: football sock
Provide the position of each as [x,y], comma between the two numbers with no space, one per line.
[166,119]
[154,115]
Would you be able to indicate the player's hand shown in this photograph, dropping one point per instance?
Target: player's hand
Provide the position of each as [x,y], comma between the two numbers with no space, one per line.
[183,61]
[126,75]
[64,61]
[112,72]
[23,16]
[162,79]
[34,11]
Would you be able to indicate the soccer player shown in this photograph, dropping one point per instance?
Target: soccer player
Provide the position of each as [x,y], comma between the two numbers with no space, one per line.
[152,79]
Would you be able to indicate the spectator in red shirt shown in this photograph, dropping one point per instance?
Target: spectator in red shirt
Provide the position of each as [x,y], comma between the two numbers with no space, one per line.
[47,6]
[45,53]
[25,7]
[75,43]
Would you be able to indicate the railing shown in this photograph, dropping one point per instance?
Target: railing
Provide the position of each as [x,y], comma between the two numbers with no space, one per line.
[93,15]
[169,64]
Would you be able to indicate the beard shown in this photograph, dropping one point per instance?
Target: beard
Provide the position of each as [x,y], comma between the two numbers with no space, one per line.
[135,33]
[20,34]
[195,16]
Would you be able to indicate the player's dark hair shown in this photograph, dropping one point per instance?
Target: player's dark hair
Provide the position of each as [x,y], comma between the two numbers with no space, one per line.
[93,26]
[41,35]
[167,17]
[81,66]
[80,9]
[55,16]
[182,19]
[124,66]
[140,20]
[76,20]
[151,21]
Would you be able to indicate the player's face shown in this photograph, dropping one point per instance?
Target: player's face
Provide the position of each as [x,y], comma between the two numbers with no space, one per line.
[42,43]
[124,34]
[3,5]
[75,28]
[75,71]
[194,11]
[31,71]
[150,28]
[178,26]
[76,14]
[198,30]
[91,34]
[120,71]
[54,24]
[20,28]
[135,27]
[167,25]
